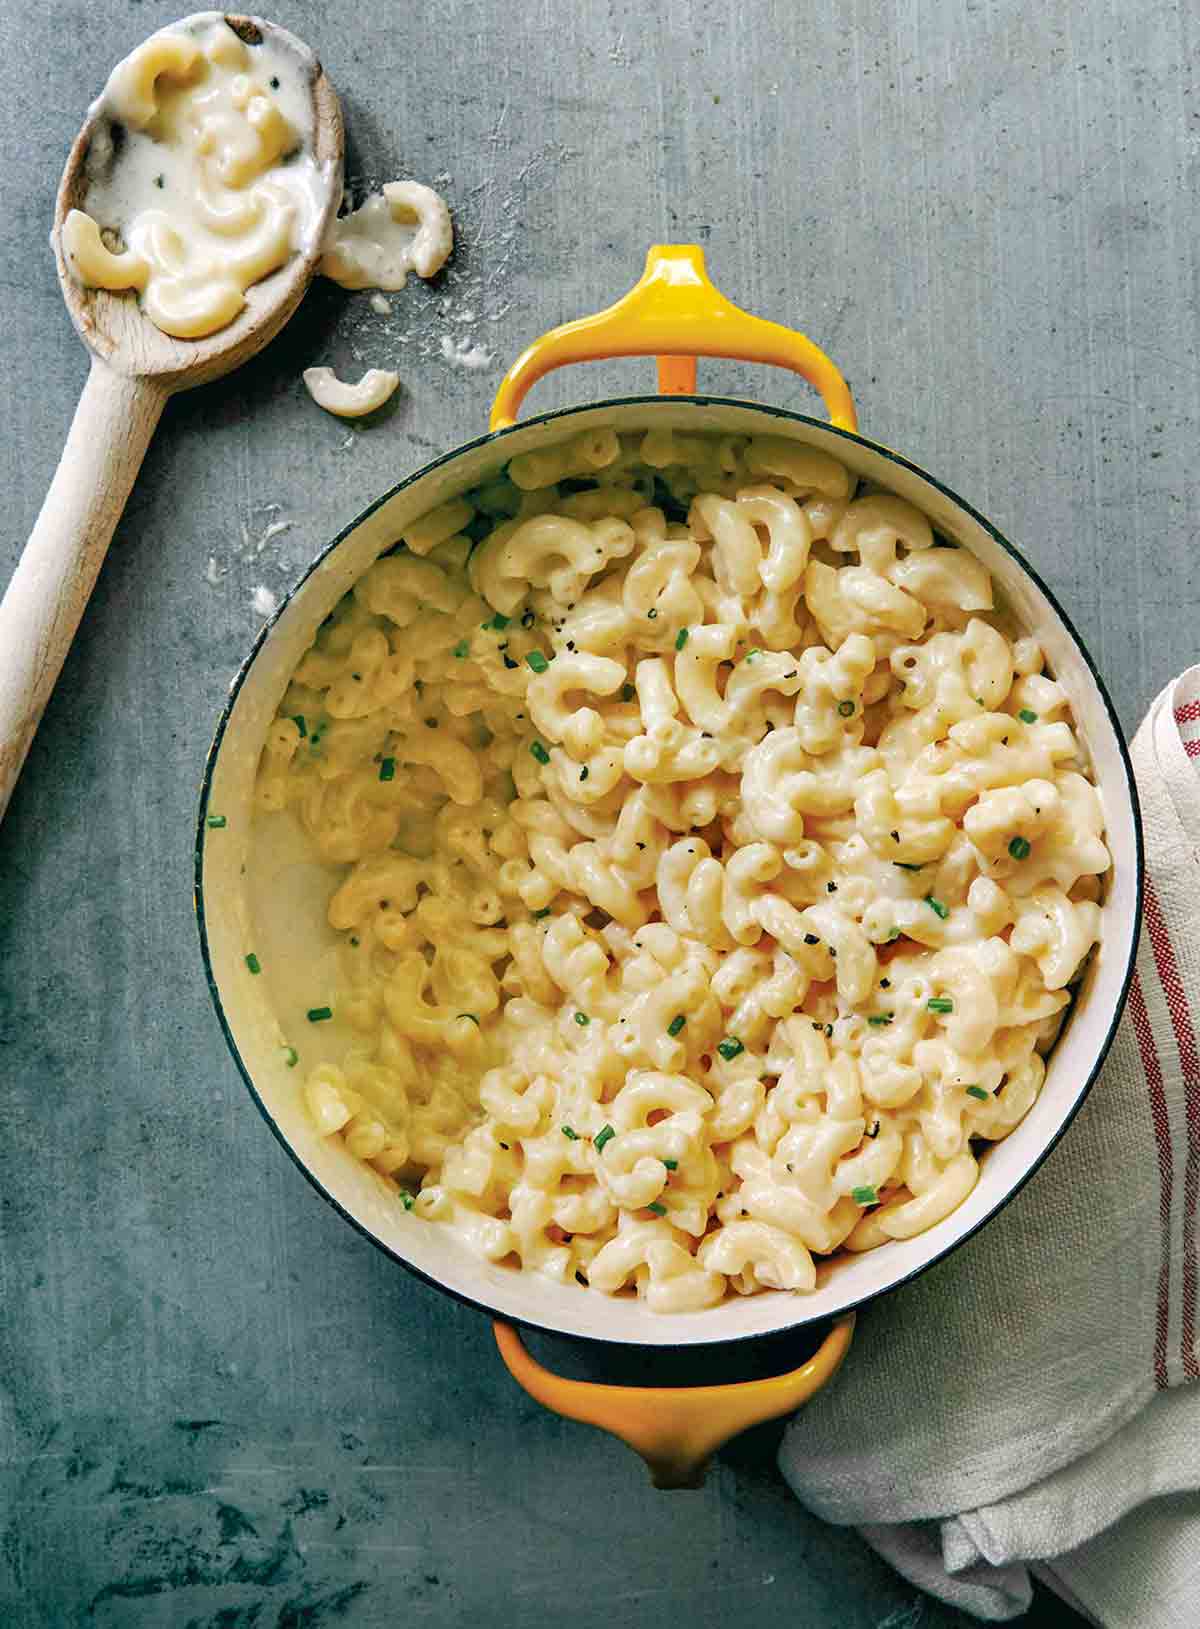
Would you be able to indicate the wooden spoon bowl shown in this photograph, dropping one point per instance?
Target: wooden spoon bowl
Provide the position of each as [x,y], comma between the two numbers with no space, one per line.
[135,368]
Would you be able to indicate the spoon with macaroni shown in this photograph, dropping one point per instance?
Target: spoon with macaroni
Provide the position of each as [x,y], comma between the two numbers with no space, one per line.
[189,222]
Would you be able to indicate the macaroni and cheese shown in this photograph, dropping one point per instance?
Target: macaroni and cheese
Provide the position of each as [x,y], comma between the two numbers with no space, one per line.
[347,401]
[713,861]
[201,175]
[404,228]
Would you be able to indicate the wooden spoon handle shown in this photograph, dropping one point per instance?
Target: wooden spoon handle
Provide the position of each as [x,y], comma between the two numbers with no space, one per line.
[45,600]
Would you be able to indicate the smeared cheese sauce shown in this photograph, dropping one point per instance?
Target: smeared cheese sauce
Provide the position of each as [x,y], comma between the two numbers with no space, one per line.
[201,178]
[405,228]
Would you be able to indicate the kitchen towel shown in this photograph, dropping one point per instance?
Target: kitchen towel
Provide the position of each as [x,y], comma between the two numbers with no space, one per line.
[1023,1408]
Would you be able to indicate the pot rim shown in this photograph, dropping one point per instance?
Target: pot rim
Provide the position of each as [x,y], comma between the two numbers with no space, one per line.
[698,399]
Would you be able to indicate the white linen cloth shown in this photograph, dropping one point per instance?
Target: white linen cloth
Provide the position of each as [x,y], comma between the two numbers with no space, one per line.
[1023,1406]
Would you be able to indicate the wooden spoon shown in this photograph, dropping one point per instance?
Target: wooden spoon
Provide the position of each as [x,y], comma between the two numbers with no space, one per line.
[135,367]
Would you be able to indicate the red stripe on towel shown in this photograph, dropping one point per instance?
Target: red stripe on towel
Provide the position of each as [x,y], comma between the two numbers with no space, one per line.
[1188,712]
[1162,1139]
[1189,1063]
[1192,748]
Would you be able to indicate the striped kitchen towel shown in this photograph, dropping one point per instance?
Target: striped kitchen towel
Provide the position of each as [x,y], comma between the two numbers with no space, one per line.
[1023,1407]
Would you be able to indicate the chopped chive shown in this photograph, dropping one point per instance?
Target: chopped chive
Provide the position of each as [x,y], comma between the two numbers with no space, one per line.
[940,1004]
[627,692]
[936,906]
[811,939]
[681,638]
[406,1199]
[605,1135]
[730,1047]
[539,915]
[253,963]
[216,822]
[387,769]
[904,866]
[581,1018]
[569,1133]
[318,1015]
[878,1019]
[539,752]
[537,661]
[1027,716]
[299,721]
[462,649]
[651,615]
[845,708]
[659,1210]
[676,1024]
[892,937]
[874,1131]
[291,1057]
[671,1165]
[584,773]
[527,619]
[865,1195]
[751,654]
[977,1091]
[1019,848]
[510,664]
[469,1015]
[498,623]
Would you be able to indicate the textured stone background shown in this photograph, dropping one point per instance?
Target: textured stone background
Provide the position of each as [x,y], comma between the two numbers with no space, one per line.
[218,1406]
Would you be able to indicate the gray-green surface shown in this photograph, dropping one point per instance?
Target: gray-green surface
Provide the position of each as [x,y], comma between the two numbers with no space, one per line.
[218,1406]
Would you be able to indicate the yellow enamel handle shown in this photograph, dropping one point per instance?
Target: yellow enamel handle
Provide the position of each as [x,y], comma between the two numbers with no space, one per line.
[676,1430]
[676,314]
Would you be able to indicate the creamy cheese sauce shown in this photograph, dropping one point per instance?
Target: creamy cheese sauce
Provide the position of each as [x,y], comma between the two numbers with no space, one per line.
[201,177]
[405,228]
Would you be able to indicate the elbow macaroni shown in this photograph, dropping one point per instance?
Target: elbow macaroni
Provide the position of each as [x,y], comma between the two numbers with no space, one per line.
[348,401]
[201,173]
[675,957]
[402,229]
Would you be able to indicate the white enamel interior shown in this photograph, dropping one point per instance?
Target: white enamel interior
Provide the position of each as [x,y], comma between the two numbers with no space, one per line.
[257,1010]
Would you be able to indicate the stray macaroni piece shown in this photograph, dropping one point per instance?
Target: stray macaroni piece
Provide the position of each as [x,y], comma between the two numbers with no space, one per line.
[713,865]
[201,181]
[375,387]
[404,228]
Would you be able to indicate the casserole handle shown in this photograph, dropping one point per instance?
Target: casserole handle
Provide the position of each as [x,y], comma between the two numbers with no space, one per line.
[676,1429]
[676,314]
